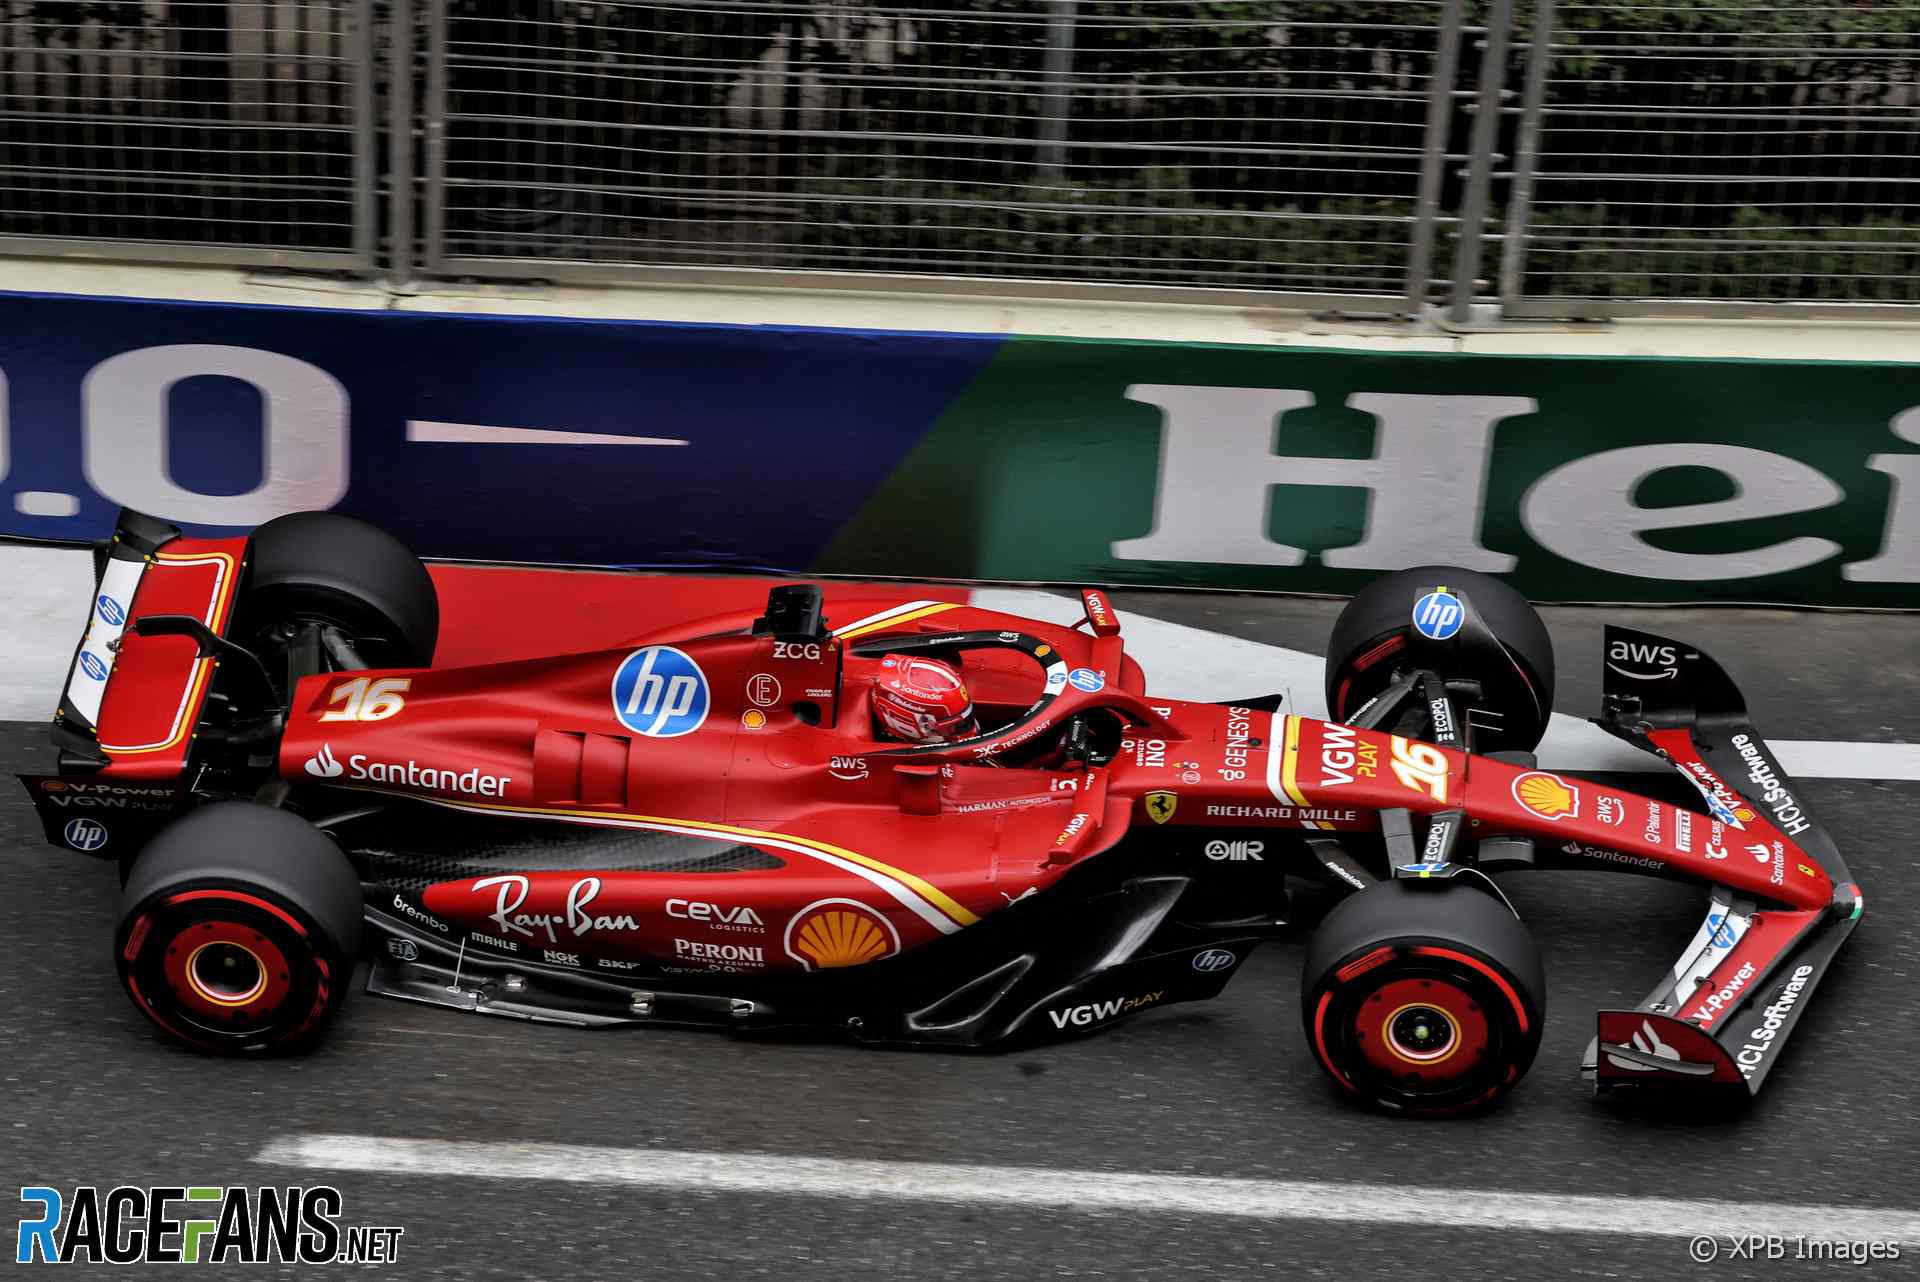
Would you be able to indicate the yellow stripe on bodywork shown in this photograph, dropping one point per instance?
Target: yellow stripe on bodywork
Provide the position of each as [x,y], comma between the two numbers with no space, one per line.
[1290,769]
[898,619]
[934,896]
[203,668]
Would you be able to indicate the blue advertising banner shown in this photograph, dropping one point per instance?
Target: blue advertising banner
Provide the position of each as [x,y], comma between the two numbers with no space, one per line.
[499,438]
[916,455]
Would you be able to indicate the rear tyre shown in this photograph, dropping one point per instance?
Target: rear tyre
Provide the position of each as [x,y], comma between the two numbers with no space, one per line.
[322,567]
[1424,1001]
[1370,638]
[238,930]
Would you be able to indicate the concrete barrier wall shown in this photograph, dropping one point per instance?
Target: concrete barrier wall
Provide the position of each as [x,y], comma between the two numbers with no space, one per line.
[971,455]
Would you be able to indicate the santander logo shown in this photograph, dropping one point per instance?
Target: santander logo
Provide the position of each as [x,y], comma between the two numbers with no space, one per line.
[323,764]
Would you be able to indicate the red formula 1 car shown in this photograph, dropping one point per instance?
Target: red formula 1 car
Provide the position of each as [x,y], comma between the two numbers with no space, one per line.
[704,826]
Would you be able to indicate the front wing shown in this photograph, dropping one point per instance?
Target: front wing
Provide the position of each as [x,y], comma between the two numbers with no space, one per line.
[1716,1022]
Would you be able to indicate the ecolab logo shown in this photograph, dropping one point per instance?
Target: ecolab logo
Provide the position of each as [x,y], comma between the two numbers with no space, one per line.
[1717,1002]
[1096,1012]
[324,765]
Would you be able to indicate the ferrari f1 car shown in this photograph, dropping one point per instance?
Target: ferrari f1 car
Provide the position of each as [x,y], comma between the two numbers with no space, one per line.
[702,827]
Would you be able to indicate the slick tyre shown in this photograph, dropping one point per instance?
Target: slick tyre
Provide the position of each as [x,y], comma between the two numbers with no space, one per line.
[1370,639]
[1427,1002]
[238,929]
[322,567]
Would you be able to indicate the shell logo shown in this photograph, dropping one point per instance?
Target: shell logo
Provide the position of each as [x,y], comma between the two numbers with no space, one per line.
[1549,796]
[839,932]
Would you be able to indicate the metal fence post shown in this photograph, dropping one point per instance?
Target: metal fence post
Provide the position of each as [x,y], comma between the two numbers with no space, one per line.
[434,233]
[400,145]
[1056,79]
[1526,151]
[1426,209]
[366,140]
[1486,134]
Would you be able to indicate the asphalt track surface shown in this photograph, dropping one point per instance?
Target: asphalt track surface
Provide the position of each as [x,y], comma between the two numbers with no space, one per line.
[1220,1089]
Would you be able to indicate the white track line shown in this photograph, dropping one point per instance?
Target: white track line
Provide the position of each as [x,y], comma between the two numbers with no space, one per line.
[47,589]
[1184,662]
[1027,1188]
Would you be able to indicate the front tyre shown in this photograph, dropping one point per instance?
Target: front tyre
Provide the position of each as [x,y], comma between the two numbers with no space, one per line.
[1422,1000]
[238,930]
[1374,637]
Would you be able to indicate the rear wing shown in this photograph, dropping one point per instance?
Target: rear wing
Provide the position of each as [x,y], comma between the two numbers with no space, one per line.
[1717,1020]
[119,564]
[130,706]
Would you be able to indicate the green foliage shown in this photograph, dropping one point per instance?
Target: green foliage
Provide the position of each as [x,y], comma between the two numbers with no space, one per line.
[1758,255]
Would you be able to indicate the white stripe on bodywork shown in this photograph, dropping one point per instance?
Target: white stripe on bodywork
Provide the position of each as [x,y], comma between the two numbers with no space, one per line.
[1703,955]
[908,899]
[892,613]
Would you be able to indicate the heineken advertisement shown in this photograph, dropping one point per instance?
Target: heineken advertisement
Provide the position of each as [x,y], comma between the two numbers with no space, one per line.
[970,456]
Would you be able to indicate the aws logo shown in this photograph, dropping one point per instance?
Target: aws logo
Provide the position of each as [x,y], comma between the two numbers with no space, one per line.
[1659,662]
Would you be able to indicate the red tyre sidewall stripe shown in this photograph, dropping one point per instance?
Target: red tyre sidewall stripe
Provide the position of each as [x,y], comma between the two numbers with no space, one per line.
[1499,980]
[1320,1041]
[234,896]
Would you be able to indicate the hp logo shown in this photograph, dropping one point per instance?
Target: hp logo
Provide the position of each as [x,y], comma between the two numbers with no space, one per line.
[86,834]
[660,692]
[1438,615]
[1722,931]
[110,610]
[91,665]
[1086,680]
[1213,959]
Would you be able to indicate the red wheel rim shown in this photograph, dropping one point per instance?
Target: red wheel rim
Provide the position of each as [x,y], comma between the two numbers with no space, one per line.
[1422,1032]
[225,971]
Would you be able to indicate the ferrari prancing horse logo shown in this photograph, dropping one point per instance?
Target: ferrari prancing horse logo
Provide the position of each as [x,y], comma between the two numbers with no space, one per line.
[1161,805]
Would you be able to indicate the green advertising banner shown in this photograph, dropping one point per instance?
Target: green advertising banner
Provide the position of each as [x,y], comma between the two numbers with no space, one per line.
[1579,478]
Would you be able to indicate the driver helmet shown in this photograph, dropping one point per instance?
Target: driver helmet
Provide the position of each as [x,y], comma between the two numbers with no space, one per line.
[921,700]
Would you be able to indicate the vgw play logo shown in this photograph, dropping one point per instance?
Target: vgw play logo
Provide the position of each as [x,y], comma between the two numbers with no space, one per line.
[186,1225]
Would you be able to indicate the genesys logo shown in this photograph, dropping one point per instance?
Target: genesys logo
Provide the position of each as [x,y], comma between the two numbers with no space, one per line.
[1100,1012]
[187,1224]
[363,769]
[660,692]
